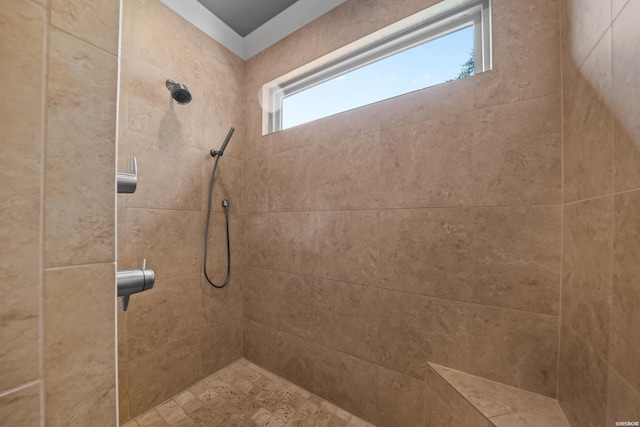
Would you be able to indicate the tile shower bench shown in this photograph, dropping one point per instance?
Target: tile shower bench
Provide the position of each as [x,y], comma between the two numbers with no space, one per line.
[463,400]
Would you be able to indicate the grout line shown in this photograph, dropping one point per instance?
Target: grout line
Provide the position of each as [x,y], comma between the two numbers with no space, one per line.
[331,348]
[199,211]
[437,117]
[588,345]
[115,56]
[78,266]
[614,18]
[42,253]
[604,196]
[198,333]
[418,208]
[116,305]
[19,388]
[628,384]
[562,184]
[399,291]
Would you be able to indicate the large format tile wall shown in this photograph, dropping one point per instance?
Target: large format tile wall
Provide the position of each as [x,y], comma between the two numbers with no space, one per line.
[599,380]
[182,330]
[421,228]
[58,73]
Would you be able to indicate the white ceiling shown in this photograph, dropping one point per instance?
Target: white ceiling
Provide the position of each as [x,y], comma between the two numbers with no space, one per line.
[266,29]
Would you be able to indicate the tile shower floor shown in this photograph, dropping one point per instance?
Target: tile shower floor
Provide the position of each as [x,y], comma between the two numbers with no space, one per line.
[243,394]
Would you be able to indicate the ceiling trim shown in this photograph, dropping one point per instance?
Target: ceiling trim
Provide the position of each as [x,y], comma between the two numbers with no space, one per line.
[291,19]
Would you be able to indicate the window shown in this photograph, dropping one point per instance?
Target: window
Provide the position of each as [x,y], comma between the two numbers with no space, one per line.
[447,41]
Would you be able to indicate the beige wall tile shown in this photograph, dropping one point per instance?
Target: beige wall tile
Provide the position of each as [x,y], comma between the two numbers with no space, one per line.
[587,255]
[626,90]
[256,185]
[121,319]
[292,238]
[123,392]
[588,126]
[168,176]
[347,246]
[291,303]
[217,248]
[292,180]
[81,106]
[257,240]
[80,341]
[526,53]
[348,173]
[416,329]
[616,7]
[223,104]
[151,110]
[21,408]
[305,135]
[524,348]
[400,399]
[346,381]
[258,289]
[428,251]
[351,123]
[256,146]
[179,298]
[623,401]
[516,257]
[221,305]
[293,358]
[583,23]
[256,344]
[95,22]
[220,346]
[20,163]
[430,103]
[517,153]
[627,157]
[165,238]
[227,185]
[125,23]
[624,350]
[152,379]
[347,317]
[417,164]
[164,38]
[582,386]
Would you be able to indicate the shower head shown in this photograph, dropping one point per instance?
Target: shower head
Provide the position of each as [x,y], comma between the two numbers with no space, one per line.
[179,92]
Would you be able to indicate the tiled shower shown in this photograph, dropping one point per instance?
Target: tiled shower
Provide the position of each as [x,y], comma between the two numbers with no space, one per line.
[487,225]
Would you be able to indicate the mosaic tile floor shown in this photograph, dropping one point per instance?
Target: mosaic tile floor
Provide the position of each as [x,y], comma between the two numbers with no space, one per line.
[243,394]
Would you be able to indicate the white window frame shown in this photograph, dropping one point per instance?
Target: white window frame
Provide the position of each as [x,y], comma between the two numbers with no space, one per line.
[434,22]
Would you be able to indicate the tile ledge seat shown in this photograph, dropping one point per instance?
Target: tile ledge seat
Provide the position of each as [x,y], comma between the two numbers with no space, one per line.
[494,404]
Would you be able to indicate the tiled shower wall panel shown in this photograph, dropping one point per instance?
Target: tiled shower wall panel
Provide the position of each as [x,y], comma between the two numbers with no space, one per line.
[599,353]
[425,227]
[182,330]
[57,239]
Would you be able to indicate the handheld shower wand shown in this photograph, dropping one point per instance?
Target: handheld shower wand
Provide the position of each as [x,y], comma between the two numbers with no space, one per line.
[225,204]
[220,152]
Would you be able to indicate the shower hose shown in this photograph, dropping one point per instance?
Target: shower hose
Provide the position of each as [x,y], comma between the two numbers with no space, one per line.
[225,205]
